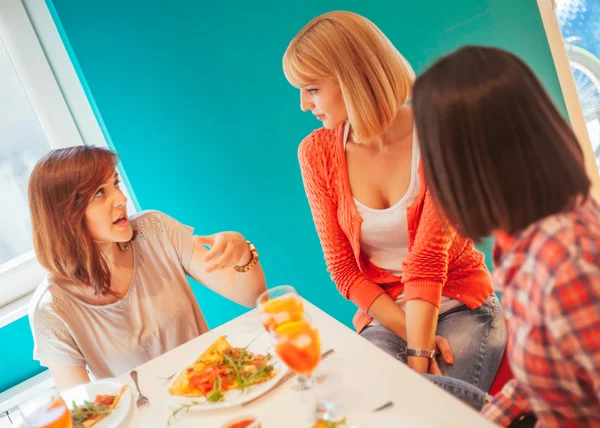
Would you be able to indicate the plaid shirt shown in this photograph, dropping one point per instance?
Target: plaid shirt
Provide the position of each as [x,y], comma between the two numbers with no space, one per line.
[550,278]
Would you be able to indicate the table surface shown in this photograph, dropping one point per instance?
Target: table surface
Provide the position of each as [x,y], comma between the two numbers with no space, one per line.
[359,378]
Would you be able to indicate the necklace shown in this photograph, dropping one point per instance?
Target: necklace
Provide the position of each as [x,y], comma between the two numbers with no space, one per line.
[123,247]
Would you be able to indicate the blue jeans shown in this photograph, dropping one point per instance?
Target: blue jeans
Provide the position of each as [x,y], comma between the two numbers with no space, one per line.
[476,398]
[464,391]
[477,338]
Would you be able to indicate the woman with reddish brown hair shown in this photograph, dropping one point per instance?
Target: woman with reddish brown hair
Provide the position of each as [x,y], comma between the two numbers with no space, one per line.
[117,294]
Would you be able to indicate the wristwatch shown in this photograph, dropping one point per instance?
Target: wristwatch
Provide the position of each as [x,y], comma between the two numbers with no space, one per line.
[425,353]
[252,261]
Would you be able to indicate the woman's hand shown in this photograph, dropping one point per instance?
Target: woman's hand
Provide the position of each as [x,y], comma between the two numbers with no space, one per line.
[441,347]
[227,250]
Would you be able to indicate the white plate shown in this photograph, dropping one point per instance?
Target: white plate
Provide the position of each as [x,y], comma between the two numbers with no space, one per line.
[384,420]
[234,397]
[89,391]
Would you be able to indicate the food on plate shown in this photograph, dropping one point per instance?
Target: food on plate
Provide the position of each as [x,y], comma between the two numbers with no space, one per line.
[222,368]
[88,414]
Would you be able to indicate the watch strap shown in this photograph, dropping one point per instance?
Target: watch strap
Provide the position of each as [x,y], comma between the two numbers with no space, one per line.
[425,353]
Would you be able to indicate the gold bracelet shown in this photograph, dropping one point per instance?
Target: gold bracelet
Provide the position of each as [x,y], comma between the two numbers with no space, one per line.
[253,261]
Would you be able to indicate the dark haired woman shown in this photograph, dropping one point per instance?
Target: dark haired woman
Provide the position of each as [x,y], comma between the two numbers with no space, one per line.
[500,159]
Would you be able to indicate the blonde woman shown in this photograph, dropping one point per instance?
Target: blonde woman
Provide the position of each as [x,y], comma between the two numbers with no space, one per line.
[410,274]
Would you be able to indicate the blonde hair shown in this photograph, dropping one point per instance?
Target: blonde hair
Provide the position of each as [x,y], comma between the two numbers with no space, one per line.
[373,76]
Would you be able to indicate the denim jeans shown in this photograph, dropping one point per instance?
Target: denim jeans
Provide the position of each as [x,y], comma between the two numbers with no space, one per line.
[477,338]
[476,398]
[462,390]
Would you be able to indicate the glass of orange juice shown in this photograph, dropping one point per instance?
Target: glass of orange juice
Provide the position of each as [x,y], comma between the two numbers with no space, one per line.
[298,345]
[47,410]
[279,305]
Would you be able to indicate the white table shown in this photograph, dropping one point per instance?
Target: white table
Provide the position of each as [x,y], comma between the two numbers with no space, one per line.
[367,378]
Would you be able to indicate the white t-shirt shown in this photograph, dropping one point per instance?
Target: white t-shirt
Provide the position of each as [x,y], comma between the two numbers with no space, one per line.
[158,313]
[384,233]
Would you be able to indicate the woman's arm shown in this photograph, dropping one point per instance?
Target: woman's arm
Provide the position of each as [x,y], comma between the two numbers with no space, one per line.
[389,314]
[392,317]
[425,272]
[421,316]
[215,267]
[66,377]
[339,256]
[54,346]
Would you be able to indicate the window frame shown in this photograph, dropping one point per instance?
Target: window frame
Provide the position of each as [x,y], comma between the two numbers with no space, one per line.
[569,90]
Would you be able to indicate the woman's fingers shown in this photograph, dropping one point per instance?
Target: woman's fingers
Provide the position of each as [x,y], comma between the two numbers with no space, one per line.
[226,250]
[227,257]
[217,248]
[434,369]
[444,348]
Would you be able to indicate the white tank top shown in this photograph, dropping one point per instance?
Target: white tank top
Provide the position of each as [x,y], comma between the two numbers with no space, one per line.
[384,233]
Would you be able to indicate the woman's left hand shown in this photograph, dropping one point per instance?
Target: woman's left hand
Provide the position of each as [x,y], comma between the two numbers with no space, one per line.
[441,347]
[227,250]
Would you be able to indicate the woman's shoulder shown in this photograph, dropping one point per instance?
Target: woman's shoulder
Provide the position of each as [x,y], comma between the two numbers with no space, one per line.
[146,217]
[152,223]
[48,303]
[317,145]
[154,229]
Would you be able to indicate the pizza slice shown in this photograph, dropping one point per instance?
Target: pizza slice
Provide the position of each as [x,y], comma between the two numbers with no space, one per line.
[90,414]
[222,368]
[212,355]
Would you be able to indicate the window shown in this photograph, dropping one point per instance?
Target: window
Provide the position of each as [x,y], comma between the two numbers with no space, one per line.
[568,23]
[43,107]
[579,22]
[34,118]
[23,143]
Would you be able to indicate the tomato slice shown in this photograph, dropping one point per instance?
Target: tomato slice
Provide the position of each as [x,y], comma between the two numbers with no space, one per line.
[204,380]
[104,400]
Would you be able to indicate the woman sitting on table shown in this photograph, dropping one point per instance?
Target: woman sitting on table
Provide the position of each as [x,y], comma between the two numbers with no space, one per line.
[410,275]
[500,159]
[117,294]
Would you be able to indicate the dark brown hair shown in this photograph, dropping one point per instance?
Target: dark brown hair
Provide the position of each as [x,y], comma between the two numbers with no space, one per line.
[61,185]
[496,152]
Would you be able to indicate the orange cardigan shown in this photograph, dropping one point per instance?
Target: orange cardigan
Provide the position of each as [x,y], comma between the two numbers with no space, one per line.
[439,263]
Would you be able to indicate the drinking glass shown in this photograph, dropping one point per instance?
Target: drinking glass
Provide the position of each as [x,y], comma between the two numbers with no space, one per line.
[46,410]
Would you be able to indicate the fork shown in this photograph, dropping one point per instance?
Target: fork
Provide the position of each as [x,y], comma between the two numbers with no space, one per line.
[142,400]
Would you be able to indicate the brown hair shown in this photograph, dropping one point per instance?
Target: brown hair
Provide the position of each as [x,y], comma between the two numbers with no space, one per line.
[374,77]
[61,185]
[496,152]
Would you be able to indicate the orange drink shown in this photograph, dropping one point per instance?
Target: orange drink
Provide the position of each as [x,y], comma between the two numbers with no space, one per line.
[48,411]
[280,310]
[298,345]
[279,305]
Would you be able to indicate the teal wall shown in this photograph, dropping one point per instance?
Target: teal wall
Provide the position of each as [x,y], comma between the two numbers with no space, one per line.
[192,96]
